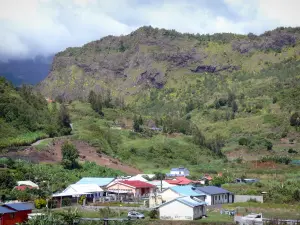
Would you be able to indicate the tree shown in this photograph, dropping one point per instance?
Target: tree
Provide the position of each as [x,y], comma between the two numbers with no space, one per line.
[69,155]
[92,97]
[136,124]
[140,121]
[108,99]
[160,176]
[295,120]
[234,107]
[7,180]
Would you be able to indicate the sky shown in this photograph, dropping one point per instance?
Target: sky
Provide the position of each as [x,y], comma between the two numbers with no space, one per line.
[43,27]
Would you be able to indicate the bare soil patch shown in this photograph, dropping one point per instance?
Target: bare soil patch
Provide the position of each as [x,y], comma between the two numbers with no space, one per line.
[87,153]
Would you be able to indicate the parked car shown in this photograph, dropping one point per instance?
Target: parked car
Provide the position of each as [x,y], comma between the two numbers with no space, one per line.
[135,215]
[251,219]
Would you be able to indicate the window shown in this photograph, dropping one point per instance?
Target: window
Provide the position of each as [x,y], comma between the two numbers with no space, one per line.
[219,197]
[12,215]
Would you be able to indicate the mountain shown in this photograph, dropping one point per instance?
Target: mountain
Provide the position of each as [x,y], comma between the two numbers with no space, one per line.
[228,84]
[28,71]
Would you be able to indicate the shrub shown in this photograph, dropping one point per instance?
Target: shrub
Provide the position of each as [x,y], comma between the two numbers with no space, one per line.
[81,199]
[292,151]
[277,159]
[40,203]
[52,204]
[153,214]
[66,202]
[243,141]
[295,119]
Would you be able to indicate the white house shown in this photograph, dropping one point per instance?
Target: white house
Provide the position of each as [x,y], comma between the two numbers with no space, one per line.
[182,208]
[161,185]
[216,195]
[91,191]
[174,192]
[180,172]
[141,177]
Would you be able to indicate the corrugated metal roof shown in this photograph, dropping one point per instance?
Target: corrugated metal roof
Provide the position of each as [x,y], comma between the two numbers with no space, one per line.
[186,190]
[212,190]
[191,202]
[22,206]
[187,200]
[79,189]
[100,181]
[4,210]
[164,183]
[27,183]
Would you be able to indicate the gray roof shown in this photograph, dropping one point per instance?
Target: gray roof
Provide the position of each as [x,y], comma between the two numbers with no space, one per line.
[187,200]
[4,210]
[22,206]
[212,190]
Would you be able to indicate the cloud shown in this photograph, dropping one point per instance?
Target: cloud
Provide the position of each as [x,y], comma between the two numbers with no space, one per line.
[34,27]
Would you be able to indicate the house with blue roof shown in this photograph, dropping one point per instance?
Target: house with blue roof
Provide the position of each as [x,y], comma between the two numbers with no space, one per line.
[182,208]
[100,181]
[179,172]
[216,195]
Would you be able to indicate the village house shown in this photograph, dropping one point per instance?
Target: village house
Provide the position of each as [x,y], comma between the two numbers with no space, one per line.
[179,181]
[182,208]
[28,183]
[102,182]
[180,172]
[131,188]
[13,213]
[174,192]
[216,195]
[142,177]
[179,191]
[92,192]
[161,185]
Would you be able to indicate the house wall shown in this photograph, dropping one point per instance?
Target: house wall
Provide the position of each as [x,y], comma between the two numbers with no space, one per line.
[220,199]
[121,187]
[169,195]
[176,211]
[155,200]
[245,198]
[208,200]
[13,218]
[199,211]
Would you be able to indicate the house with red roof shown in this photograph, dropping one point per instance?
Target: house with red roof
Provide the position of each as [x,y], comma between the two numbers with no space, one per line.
[179,181]
[24,187]
[134,188]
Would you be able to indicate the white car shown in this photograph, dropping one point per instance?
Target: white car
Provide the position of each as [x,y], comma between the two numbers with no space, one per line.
[135,215]
[253,219]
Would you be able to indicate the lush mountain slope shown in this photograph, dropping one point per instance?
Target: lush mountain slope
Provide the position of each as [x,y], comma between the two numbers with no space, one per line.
[26,71]
[26,117]
[229,85]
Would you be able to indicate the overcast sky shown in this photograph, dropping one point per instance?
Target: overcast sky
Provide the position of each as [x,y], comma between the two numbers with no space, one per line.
[31,27]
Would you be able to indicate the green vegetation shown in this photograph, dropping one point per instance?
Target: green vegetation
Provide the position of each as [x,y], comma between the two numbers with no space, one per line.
[69,155]
[51,178]
[25,116]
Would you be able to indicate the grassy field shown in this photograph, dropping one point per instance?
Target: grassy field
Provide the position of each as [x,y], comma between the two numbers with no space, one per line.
[269,210]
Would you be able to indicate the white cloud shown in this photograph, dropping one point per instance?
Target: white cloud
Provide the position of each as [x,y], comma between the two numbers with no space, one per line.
[30,27]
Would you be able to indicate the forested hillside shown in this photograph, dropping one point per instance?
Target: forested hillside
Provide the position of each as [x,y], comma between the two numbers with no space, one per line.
[25,116]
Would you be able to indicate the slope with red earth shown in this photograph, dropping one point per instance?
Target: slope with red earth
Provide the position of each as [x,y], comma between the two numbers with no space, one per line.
[87,153]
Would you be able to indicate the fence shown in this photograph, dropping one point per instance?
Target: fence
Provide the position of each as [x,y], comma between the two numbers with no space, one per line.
[246,198]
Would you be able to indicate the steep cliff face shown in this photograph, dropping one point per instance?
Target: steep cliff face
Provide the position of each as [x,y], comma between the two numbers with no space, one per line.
[151,58]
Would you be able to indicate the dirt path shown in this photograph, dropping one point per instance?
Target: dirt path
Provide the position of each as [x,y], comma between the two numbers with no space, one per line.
[87,153]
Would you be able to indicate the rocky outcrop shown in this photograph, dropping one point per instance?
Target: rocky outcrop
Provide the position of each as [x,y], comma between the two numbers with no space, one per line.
[148,58]
[214,69]
[152,78]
